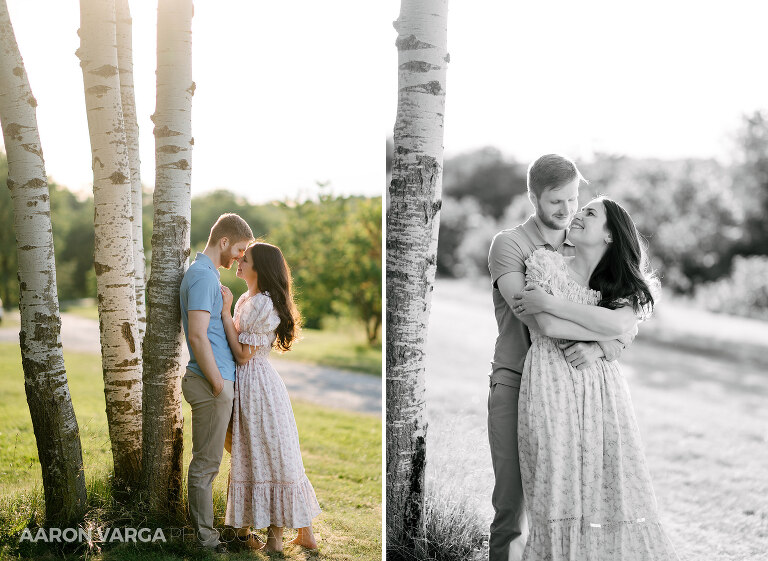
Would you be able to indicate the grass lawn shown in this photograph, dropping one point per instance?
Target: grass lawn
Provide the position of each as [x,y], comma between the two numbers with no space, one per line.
[85,308]
[339,346]
[341,452]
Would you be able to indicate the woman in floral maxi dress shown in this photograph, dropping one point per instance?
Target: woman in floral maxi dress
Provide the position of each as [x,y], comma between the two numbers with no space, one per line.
[587,487]
[267,486]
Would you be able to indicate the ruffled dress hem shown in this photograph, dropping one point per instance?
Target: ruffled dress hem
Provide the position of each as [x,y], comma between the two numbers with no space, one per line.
[271,503]
[577,538]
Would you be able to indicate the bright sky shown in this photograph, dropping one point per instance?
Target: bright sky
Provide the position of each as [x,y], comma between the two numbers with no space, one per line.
[288,93]
[652,79]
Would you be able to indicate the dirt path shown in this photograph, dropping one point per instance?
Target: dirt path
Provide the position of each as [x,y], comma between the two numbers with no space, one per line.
[703,416]
[325,386]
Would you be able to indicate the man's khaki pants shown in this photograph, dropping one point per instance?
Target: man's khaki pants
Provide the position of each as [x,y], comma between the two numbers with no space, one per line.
[210,418]
[509,527]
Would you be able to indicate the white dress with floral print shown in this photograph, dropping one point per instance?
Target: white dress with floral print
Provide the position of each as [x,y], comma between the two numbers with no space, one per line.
[587,487]
[267,484]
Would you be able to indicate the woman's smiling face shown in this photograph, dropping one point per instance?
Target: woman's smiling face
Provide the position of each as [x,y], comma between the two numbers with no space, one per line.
[589,226]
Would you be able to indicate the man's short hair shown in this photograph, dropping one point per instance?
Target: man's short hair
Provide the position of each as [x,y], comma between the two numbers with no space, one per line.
[232,227]
[549,171]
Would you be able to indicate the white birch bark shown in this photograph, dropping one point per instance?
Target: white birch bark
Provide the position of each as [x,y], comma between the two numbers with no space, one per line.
[45,378]
[125,67]
[163,420]
[412,228]
[113,251]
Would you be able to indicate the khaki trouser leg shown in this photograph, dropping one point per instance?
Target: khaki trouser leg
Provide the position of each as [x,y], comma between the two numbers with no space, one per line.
[509,521]
[210,417]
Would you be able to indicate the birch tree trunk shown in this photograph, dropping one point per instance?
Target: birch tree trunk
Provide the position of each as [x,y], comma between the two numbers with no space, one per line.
[45,378]
[113,250]
[163,420]
[412,226]
[125,67]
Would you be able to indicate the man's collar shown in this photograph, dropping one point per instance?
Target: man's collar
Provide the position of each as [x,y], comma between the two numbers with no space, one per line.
[206,261]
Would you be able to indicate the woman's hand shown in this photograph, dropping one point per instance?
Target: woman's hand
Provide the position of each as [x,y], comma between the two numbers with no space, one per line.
[226,295]
[532,300]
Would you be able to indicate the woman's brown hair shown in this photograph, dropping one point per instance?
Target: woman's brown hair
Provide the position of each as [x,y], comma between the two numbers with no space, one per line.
[274,278]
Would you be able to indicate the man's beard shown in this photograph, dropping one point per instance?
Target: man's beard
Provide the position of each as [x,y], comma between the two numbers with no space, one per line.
[549,223]
[227,263]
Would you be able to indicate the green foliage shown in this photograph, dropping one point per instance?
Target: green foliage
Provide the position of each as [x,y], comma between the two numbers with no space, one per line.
[333,247]
[207,208]
[332,244]
[72,224]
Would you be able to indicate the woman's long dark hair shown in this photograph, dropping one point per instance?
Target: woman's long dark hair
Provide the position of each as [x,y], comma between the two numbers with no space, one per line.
[623,275]
[274,277]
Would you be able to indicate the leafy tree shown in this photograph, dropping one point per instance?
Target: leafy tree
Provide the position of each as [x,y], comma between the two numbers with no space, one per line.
[751,182]
[333,246]
[486,176]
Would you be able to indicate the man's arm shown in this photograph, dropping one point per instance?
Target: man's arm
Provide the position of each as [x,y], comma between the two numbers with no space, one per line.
[201,348]
[546,323]
[606,322]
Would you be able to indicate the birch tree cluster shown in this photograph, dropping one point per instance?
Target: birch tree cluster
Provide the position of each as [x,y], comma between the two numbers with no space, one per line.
[143,403]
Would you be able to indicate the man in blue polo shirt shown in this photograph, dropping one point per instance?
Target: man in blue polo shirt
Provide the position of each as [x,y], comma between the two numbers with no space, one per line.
[209,383]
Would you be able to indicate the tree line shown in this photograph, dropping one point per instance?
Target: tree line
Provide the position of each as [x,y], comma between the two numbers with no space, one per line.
[332,243]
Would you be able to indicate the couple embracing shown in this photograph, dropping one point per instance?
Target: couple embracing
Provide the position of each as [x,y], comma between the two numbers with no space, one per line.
[569,287]
[238,400]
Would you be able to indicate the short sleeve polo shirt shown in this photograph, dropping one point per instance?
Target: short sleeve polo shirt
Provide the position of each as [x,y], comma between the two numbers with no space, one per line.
[509,250]
[200,290]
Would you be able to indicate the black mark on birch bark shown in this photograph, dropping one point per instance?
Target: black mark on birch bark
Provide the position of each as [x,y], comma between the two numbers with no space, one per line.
[170,149]
[433,88]
[126,363]
[118,178]
[191,89]
[418,66]
[181,164]
[128,336]
[104,71]
[37,183]
[14,130]
[410,43]
[33,148]
[101,268]
[97,90]
[18,71]
[164,131]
